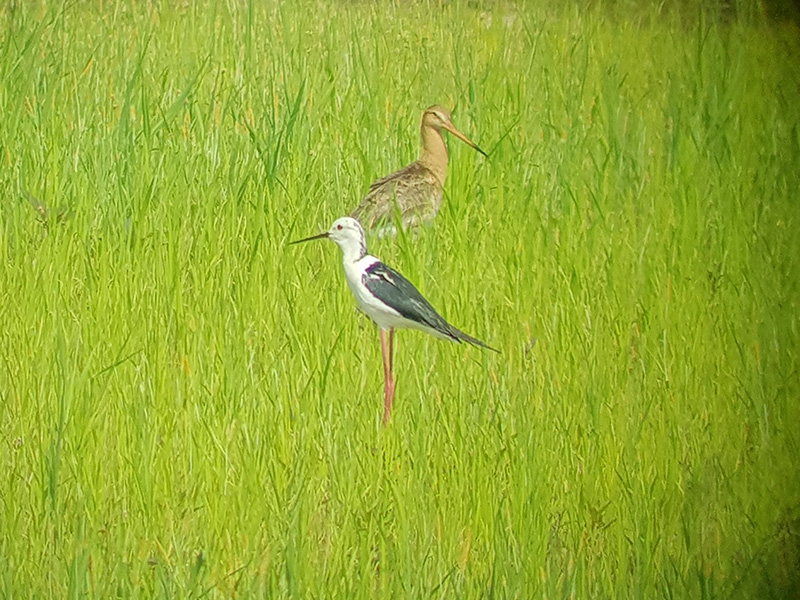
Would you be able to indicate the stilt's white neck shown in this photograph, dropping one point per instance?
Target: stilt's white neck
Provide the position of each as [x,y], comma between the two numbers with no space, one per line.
[353,248]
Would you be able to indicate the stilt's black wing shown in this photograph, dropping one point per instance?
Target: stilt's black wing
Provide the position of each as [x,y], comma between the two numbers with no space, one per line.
[394,290]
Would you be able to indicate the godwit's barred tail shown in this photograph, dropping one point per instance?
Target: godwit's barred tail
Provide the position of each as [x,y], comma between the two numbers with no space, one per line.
[414,193]
[387,298]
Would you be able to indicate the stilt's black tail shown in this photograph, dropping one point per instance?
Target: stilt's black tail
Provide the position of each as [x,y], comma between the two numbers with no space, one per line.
[459,336]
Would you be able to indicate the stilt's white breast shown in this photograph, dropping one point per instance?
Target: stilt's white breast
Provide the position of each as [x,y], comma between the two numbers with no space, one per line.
[384,316]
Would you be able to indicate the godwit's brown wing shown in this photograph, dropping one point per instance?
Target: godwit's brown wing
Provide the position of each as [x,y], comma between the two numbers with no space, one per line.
[414,193]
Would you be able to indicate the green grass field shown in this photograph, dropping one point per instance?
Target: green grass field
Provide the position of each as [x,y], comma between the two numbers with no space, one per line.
[190,408]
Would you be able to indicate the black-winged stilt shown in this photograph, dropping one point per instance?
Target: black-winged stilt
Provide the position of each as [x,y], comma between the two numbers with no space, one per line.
[387,298]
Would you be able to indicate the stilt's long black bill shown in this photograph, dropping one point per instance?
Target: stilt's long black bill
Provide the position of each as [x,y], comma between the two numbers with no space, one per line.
[324,234]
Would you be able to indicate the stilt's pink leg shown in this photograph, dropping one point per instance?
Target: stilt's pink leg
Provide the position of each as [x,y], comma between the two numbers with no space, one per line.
[391,355]
[388,382]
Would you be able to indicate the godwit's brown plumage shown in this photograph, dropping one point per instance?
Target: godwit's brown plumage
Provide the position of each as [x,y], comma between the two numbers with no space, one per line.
[414,193]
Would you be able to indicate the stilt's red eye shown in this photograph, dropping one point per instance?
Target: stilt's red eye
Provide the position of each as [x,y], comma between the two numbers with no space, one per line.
[339,227]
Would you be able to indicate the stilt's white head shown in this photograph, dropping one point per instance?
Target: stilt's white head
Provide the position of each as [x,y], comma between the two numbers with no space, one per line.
[348,235]
[346,230]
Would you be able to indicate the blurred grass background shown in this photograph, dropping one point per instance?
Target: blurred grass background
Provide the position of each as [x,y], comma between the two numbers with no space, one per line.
[189,408]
